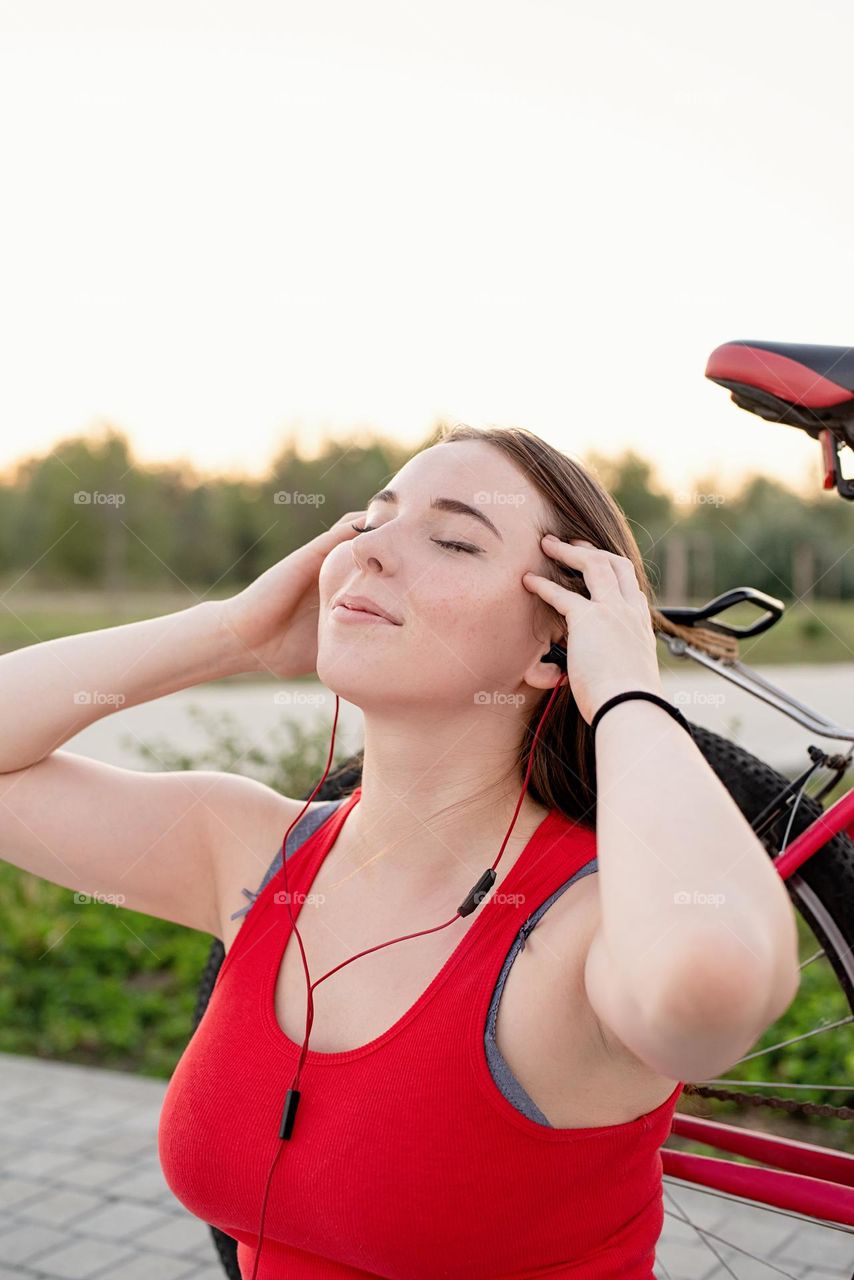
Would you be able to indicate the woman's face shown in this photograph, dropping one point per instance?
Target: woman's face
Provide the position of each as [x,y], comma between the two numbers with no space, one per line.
[466,621]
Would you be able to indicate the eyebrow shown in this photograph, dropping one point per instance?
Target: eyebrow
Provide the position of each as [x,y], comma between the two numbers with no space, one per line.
[442,504]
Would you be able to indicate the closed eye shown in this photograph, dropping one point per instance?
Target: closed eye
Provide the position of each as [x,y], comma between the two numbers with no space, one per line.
[450,546]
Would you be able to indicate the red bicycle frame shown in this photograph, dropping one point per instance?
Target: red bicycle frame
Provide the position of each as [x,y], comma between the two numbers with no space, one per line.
[803,1178]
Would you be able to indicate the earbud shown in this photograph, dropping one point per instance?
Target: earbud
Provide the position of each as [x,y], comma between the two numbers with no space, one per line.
[557,654]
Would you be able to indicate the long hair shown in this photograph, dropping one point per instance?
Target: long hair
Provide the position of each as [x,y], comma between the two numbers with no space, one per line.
[563,775]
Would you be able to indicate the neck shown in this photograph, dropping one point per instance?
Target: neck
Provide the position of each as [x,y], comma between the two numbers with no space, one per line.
[435,805]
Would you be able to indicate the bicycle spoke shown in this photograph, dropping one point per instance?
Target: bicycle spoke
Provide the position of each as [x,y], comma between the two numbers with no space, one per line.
[659,1266]
[814,956]
[706,1236]
[775,1084]
[702,1234]
[754,1257]
[794,1040]
[766,1208]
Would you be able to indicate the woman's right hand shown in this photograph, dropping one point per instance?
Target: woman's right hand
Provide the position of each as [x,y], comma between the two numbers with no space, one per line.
[275,618]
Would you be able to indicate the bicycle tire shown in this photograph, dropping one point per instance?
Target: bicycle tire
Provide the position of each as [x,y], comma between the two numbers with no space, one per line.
[828,875]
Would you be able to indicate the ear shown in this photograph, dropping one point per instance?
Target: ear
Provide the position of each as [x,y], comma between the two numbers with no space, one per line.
[544,672]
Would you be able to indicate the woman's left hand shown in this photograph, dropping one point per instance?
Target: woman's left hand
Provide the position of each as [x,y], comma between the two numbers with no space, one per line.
[610,643]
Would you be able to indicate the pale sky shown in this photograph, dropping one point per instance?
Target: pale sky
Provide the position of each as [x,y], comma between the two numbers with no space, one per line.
[223,221]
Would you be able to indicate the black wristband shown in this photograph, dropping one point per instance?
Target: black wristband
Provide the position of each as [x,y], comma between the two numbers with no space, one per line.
[639,693]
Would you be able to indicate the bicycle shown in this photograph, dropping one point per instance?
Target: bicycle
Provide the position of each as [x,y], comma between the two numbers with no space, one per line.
[810,387]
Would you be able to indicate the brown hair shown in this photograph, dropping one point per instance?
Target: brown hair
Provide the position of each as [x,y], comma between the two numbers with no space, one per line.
[563,775]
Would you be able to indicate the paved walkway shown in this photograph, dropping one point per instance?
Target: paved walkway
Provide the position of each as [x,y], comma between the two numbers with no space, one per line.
[82,1196]
[260,708]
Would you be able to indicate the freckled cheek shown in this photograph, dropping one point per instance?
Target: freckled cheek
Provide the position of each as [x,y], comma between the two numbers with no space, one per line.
[471,621]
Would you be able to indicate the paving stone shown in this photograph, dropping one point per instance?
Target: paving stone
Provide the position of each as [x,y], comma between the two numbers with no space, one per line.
[684,1261]
[146,1184]
[162,1267]
[82,1258]
[121,1146]
[183,1234]
[19,1092]
[8,1146]
[41,1161]
[213,1273]
[59,1208]
[102,1110]
[821,1246]
[29,1240]
[816,1273]
[15,1191]
[77,1137]
[20,1127]
[707,1209]
[120,1220]
[91,1172]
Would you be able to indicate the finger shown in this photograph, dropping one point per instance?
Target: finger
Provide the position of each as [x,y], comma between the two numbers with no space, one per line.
[624,569]
[560,598]
[339,531]
[599,574]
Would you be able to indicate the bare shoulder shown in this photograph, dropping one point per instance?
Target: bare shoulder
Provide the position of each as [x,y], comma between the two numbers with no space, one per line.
[250,824]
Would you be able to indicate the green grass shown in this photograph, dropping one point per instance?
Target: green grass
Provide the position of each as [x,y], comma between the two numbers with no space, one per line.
[92,983]
[819,633]
[822,632]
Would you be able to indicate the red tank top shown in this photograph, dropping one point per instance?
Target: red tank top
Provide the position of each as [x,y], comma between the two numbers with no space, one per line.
[406,1161]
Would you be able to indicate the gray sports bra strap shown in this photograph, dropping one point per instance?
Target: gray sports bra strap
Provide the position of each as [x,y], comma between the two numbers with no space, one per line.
[306,827]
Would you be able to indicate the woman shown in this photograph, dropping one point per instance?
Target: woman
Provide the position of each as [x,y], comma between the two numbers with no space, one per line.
[432,1139]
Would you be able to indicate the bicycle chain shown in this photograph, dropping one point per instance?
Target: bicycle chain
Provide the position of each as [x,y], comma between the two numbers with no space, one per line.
[781,1104]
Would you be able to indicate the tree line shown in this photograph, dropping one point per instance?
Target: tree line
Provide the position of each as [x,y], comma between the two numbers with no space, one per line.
[86,514]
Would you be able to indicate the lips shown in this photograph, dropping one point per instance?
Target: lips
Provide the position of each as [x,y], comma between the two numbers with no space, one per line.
[367,606]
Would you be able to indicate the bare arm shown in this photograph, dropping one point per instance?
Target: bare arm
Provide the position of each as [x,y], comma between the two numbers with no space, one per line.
[157,842]
[51,691]
[696,952]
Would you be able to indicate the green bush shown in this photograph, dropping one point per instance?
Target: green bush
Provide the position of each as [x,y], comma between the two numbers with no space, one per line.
[104,986]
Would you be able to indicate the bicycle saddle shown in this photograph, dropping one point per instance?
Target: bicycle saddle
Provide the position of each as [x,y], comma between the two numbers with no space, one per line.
[801,383]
